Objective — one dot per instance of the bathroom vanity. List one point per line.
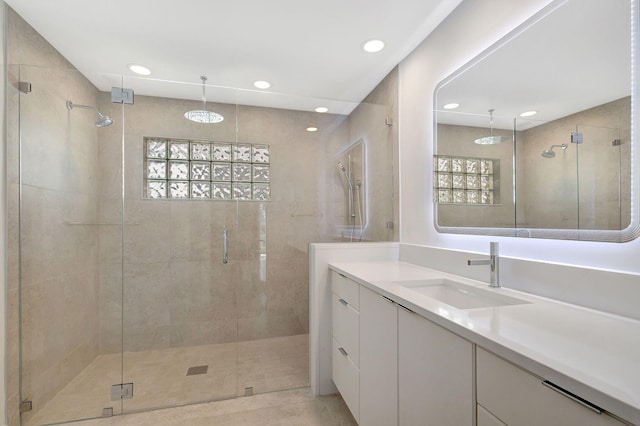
(413, 345)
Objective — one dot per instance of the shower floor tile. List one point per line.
(160, 379)
(291, 407)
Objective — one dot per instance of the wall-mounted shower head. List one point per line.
(548, 153)
(102, 120)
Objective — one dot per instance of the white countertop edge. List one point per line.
(607, 396)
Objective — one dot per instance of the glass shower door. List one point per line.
(180, 327)
(59, 209)
(602, 156)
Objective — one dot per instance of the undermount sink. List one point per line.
(459, 295)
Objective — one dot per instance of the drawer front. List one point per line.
(346, 289)
(346, 327)
(346, 377)
(485, 418)
(517, 397)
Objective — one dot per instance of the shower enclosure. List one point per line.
(157, 261)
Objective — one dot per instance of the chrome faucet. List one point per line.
(493, 262)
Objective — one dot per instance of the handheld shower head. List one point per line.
(548, 153)
(343, 171)
(102, 120)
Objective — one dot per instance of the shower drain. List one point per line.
(200, 369)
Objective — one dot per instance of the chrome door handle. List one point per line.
(225, 246)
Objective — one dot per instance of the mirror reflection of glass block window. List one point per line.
(460, 180)
(206, 170)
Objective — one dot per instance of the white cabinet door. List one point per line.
(435, 374)
(378, 360)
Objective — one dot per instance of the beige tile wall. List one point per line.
(368, 123)
(550, 197)
(58, 260)
(177, 291)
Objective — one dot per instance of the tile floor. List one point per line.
(160, 380)
(292, 407)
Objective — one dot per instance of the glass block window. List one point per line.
(205, 170)
(459, 180)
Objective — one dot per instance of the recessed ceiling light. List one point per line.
(261, 84)
(452, 105)
(373, 46)
(139, 69)
(312, 129)
(528, 113)
(322, 109)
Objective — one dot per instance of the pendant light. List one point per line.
(202, 115)
(490, 140)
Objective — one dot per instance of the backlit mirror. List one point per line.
(536, 136)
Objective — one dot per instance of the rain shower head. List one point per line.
(491, 139)
(548, 153)
(102, 121)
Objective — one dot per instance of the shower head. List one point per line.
(102, 120)
(548, 153)
(341, 167)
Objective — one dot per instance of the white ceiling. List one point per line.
(306, 49)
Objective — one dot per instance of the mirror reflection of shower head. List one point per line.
(548, 153)
(102, 121)
(491, 139)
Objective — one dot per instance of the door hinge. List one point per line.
(26, 406)
(24, 86)
(121, 391)
(120, 95)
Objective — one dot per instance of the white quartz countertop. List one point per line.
(593, 354)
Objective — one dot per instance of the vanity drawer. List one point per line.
(346, 377)
(346, 327)
(517, 397)
(485, 418)
(346, 289)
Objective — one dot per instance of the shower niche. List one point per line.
(351, 195)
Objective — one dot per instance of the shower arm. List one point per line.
(71, 105)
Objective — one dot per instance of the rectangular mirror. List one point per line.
(549, 111)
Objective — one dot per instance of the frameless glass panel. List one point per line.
(180, 324)
(69, 228)
(603, 178)
(547, 176)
